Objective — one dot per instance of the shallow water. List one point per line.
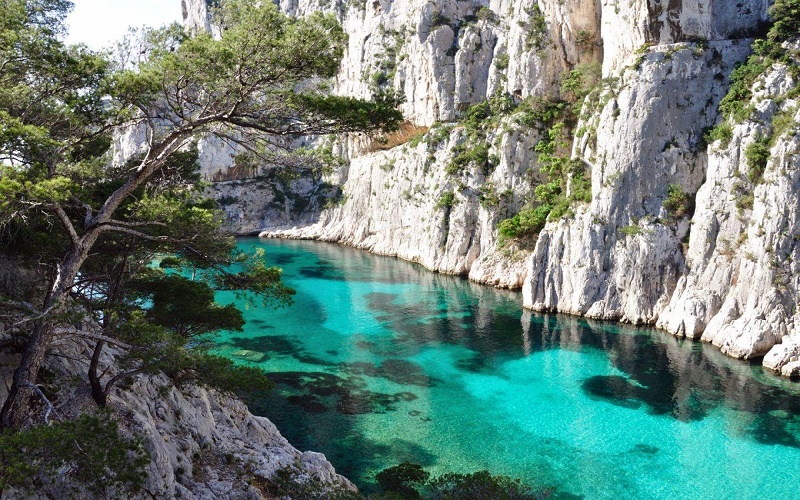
(380, 361)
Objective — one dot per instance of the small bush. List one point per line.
(411, 481)
(757, 155)
(478, 156)
(722, 132)
(289, 482)
(403, 479)
(631, 230)
(678, 203)
(89, 450)
(439, 19)
(536, 36)
(785, 15)
(224, 201)
(501, 61)
(480, 486)
(486, 14)
(736, 102)
(446, 201)
(528, 222)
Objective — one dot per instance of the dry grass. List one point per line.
(405, 133)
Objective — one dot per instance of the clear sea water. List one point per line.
(380, 361)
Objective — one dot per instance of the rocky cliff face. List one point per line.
(740, 288)
(201, 444)
(621, 257)
(723, 273)
(445, 57)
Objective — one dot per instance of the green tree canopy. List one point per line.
(90, 228)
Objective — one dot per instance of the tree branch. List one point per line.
(48, 405)
(95, 336)
(64, 218)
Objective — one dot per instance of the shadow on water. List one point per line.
(664, 375)
(676, 378)
(322, 414)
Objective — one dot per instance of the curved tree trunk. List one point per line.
(16, 407)
(98, 394)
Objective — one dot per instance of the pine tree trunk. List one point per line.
(17, 405)
(100, 396)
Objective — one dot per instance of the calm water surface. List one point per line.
(380, 361)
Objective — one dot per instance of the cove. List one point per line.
(380, 361)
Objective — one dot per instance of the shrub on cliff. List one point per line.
(785, 15)
(409, 481)
(678, 203)
(88, 450)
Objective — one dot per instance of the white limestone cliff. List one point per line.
(621, 257)
(714, 276)
(740, 291)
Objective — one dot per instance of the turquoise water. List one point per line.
(380, 361)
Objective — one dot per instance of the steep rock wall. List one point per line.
(740, 291)
(621, 257)
(404, 202)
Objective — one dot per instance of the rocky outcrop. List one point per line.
(202, 444)
(740, 291)
(621, 257)
(627, 26)
(404, 202)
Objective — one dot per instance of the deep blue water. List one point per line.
(380, 361)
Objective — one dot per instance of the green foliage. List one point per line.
(678, 203)
(631, 230)
(439, 19)
(527, 223)
(579, 82)
(187, 307)
(486, 14)
(289, 482)
(89, 450)
(785, 16)
(556, 119)
(501, 61)
(581, 186)
(403, 479)
(540, 112)
(464, 156)
(224, 201)
(757, 155)
(410, 481)
(446, 201)
(437, 133)
(415, 139)
(480, 486)
(722, 132)
(220, 373)
(736, 101)
(536, 29)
